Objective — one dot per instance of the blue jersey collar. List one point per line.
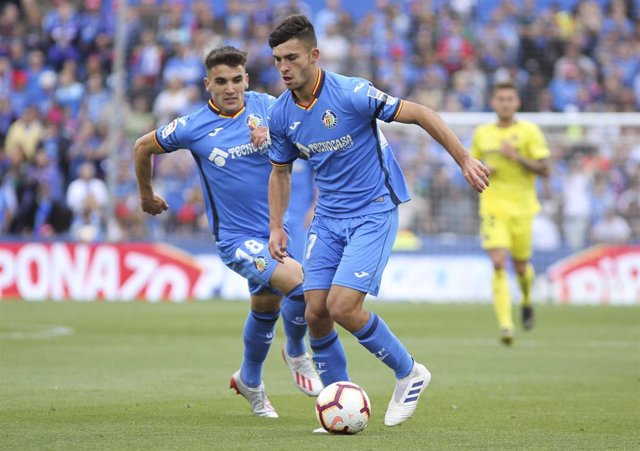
(317, 89)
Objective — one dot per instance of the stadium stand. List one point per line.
(570, 56)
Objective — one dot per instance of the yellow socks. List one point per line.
(502, 299)
(525, 281)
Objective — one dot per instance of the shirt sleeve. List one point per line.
(281, 151)
(371, 103)
(171, 136)
(538, 148)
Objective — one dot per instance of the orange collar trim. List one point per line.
(317, 88)
(218, 111)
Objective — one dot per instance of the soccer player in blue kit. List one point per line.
(234, 177)
(331, 120)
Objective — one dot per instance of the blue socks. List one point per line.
(380, 341)
(330, 359)
(295, 326)
(258, 334)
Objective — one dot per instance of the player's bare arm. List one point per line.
(474, 171)
(279, 191)
(541, 167)
(143, 150)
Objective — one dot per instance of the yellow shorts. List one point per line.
(512, 233)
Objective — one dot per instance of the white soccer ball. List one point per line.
(343, 408)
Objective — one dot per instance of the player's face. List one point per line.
(296, 63)
(226, 85)
(505, 102)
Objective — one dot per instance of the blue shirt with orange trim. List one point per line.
(356, 172)
(233, 173)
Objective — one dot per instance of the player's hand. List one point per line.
(476, 174)
(508, 151)
(259, 135)
(278, 244)
(153, 205)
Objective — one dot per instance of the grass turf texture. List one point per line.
(144, 376)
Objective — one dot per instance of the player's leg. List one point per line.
(246, 256)
(501, 295)
(521, 253)
(287, 278)
(258, 334)
(322, 256)
(496, 240)
(370, 239)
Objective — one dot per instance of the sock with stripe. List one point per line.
(378, 339)
(258, 334)
(330, 359)
(295, 326)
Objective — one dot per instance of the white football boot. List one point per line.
(260, 405)
(406, 395)
(304, 373)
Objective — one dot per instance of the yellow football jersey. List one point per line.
(512, 190)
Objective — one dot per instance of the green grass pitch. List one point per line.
(155, 376)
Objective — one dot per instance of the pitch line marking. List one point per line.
(25, 331)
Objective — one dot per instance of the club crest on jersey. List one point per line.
(261, 263)
(168, 129)
(329, 119)
(254, 120)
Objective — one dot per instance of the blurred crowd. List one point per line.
(57, 103)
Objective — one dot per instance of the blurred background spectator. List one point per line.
(56, 102)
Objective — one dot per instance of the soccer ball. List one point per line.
(343, 408)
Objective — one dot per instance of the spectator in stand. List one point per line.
(42, 216)
(170, 101)
(327, 16)
(454, 47)
(337, 49)
(565, 89)
(87, 189)
(42, 43)
(24, 134)
(8, 203)
(88, 226)
(629, 202)
(70, 92)
(574, 58)
(611, 229)
(576, 207)
(185, 64)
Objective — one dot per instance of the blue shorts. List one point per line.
(351, 252)
(249, 256)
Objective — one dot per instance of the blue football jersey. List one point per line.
(356, 172)
(233, 173)
(303, 189)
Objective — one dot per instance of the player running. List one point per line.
(331, 120)
(234, 177)
(516, 152)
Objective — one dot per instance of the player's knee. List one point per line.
(340, 312)
(316, 316)
(499, 265)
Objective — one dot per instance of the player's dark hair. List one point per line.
(227, 55)
(507, 84)
(296, 26)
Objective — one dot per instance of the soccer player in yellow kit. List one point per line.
(516, 152)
